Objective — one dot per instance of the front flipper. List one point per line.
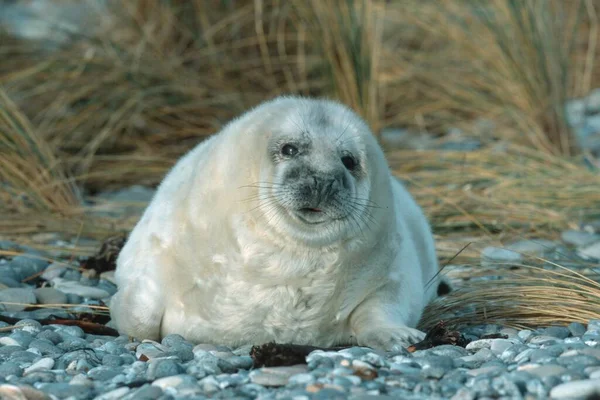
(137, 309)
(383, 321)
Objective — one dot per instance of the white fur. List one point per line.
(210, 261)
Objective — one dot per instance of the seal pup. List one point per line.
(286, 226)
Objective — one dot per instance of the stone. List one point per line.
(173, 381)
(48, 295)
(71, 287)
(534, 247)
(16, 299)
(276, 376)
(13, 392)
(525, 335)
(40, 365)
(560, 332)
(162, 368)
(542, 371)
(494, 369)
(587, 388)
(103, 373)
(592, 102)
(576, 329)
(26, 267)
(480, 344)
(54, 270)
(115, 394)
(498, 254)
(499, 345)
(590, 252)
(9, 368)
(579, 238)
(46, 347)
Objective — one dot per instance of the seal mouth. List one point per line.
(311, 210)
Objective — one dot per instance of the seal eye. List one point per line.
(349, 162)
(289, 150)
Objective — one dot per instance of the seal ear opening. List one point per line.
(443, 288)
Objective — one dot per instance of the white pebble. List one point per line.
(8, 341)
(577, 389)
(480, 344)
(71, 287)
(169, 381)
(113, 394)
(40, 365)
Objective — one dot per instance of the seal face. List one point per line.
(319, 183)
(286, 226)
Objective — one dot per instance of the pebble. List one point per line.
(576, 329)
(587, 388)
(498, 254)
(25, 267)
(579, 238)
(48, 295)
(534, 247)
(71, 287)
(65, 362)
(16, 299)
(590, 252)
(41, 365)
(275, 376)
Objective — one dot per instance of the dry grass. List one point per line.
(524, 296)
(30, 174)
(119, 105)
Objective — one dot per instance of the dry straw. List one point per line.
(120, 103)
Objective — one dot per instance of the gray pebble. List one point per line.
(579, 238)
(16, 299)
(10, 368)
(576, 329)
(48, 295)
(54, 270)
(23, 357)
(25, 267)
(301, 379)
(64, 390)
(7, 278)
(587, 388)
(22, 338)
(50, 335)
(594, 325)
(74, 287)
(113, 348)
(71, 343)
(161, 368)
(151, 349)
(590, 252)
(449, 351)
(111, 360)
(434, 366)
(29, 325)
(543, 339)
(74, 298)
(103, 373)
(525, 335)
(535, 247)
(355, 352)
(498, 254)
(46, 347)
(6, 351)
(499, 345)
(146, 392)
(275, 376)
(560, 332)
